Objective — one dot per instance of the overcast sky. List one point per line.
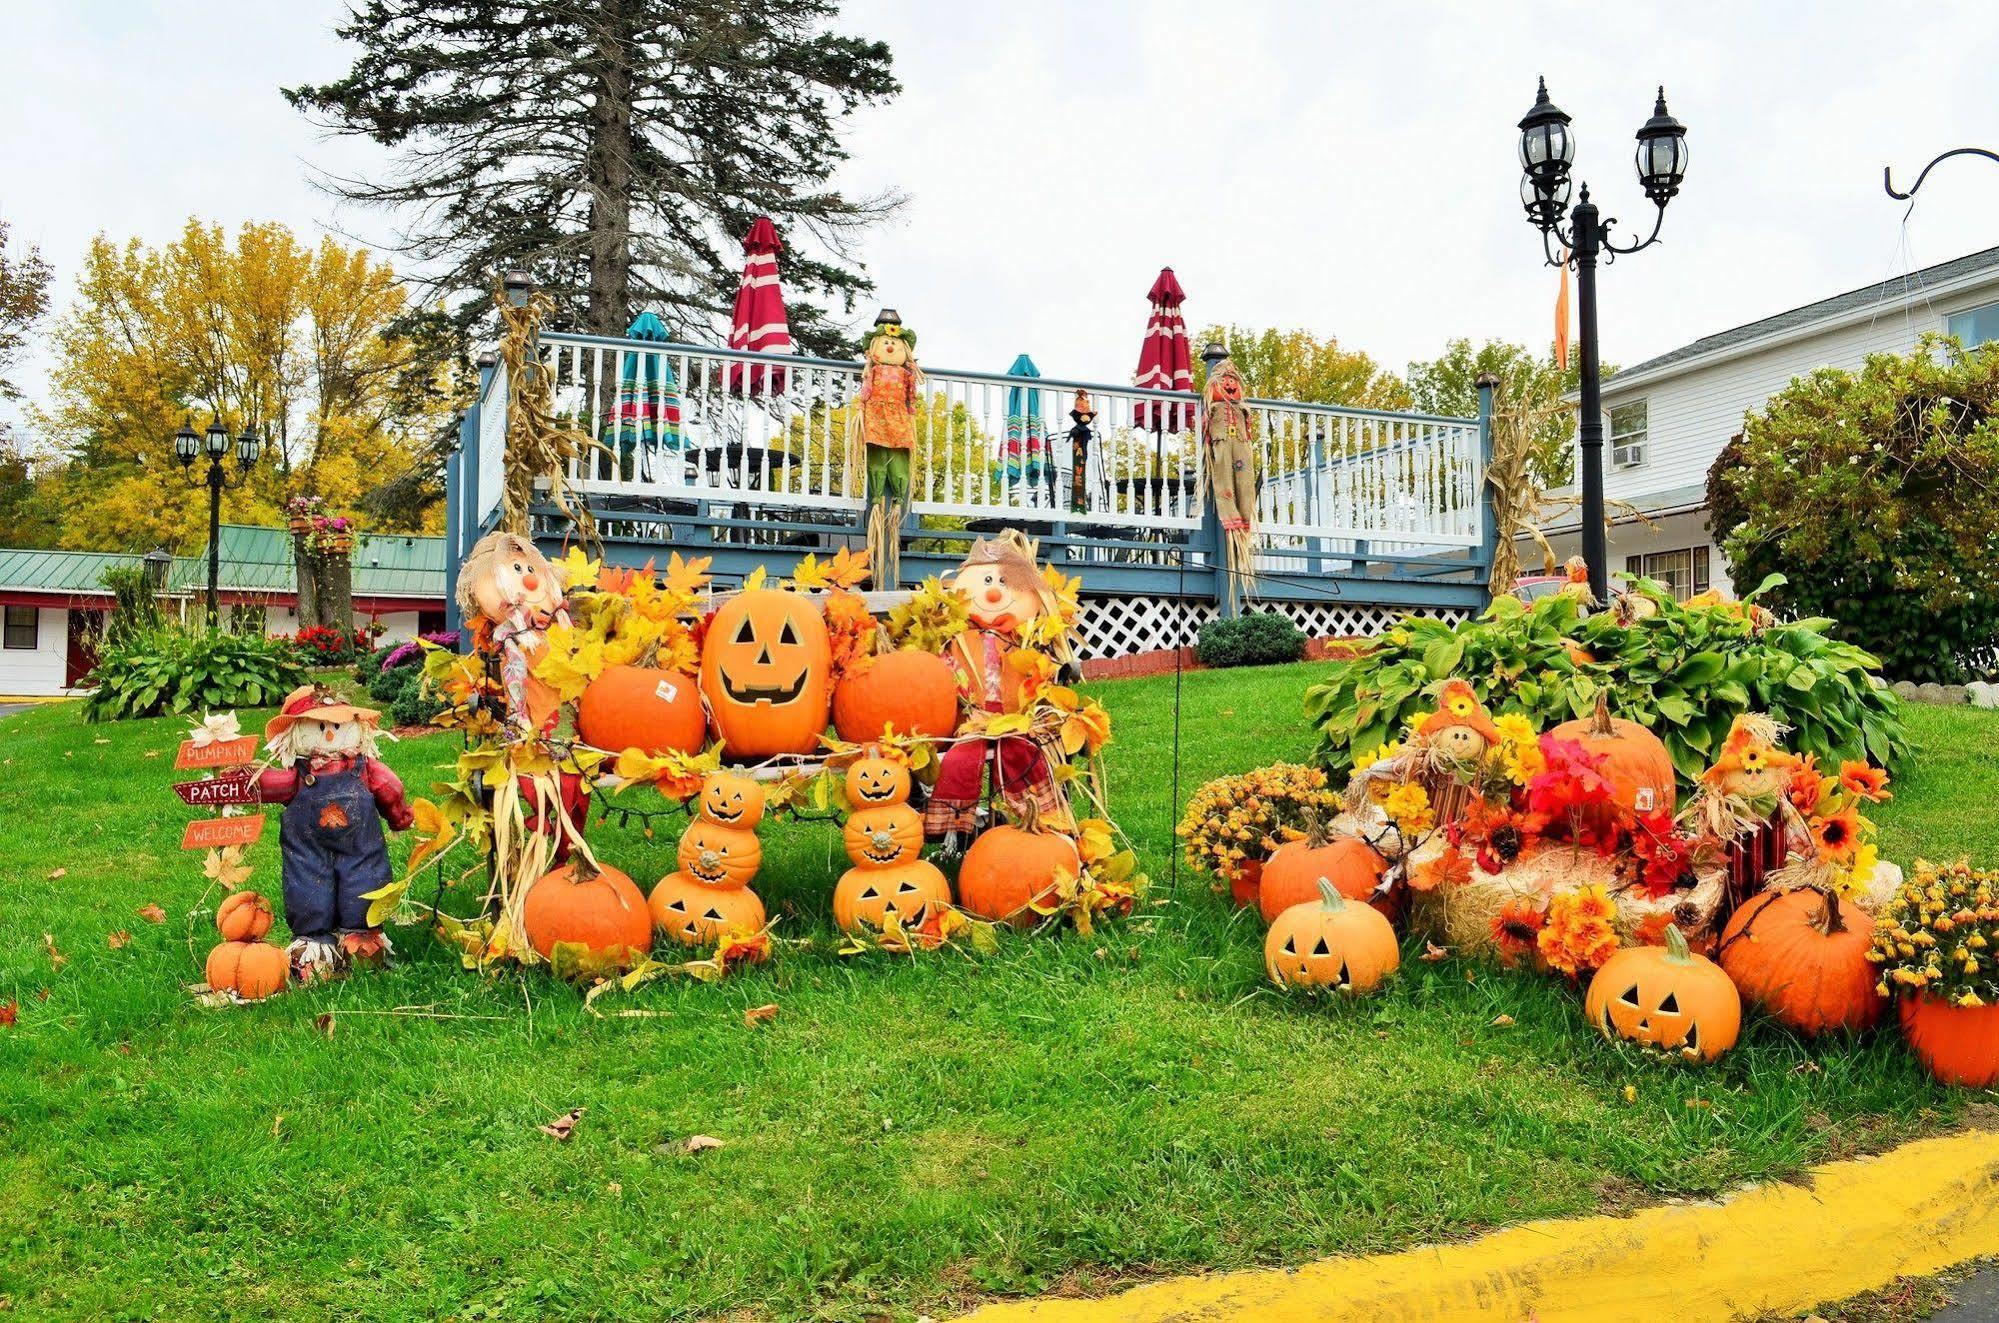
(1348, 168)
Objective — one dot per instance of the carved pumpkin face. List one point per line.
(876, 780)
(866, 896)
(884, 837)
(720, 856)
(695, 914)
(1666, 997)
(765, 668)
(1331, 943)
(732, 800)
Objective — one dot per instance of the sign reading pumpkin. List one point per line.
(766, 667)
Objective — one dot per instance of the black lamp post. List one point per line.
(1547, 151)
(188, 447)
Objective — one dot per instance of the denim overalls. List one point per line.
(330, 837)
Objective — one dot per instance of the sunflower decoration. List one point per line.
(1750, 782)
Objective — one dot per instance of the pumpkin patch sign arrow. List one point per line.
(214, 792)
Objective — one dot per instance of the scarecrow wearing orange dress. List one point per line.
(883, 425)
(1228, 430)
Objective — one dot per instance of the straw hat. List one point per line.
(1458, 706)
(311, 703)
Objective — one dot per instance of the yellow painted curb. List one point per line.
(1782, 1248)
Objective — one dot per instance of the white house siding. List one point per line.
(38, 672)
(1668, 533)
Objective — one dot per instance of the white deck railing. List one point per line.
(1333, 476)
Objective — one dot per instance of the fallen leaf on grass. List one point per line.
(119, 940)
(152, 753)
(1806, 1067)
(757, 1015)
(10, 1011)
(1694, 1103)
(700, 1143)
(277, 1124)
(152, 914)
(56, 958)
(1503, 1021)
(1631, 1093)
(59, 873)
(562, 1127)
(1431, 951)
(324, 1023)
(100, 740)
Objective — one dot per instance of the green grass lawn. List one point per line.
(906, 1137)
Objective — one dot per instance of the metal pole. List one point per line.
(1596, 546)
(214, 538)
(1488, 494)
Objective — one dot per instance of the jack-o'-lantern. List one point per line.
(766, 663)
(1635, 761)
(719, 856)
(695, 914)
(1459, 729)
(1666, 997)
(729, 799)
(243, 916)
(915, 692)
(875, 779)
(1009, 869)
(642, 707)
(595, 907)
(1331, 942)
(883, 836)
(1291, 874)
(251, 970)
(867, 894)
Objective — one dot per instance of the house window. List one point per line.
(23, 628)
(1975, 326)
(1627, 434)
(1686, 571)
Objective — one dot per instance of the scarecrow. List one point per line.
(1006, 598)
(1228, 428)
(884, 422)
(337, 793)
(1084, 414)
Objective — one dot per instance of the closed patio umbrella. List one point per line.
(759, 323)
(1024, 454)
(1164, 362)
(648, 395)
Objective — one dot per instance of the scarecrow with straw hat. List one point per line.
(336, 793)
(1228, 428)
(882, 425)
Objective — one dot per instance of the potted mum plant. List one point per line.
(1937, 943)
(1234, 823)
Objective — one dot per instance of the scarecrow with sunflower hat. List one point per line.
(337, 794)
(882, 427)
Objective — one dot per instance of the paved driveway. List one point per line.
(9, 709)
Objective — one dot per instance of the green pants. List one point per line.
(888, 475)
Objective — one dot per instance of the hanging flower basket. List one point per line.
(1959, 1044)
(300, 524)
(336, 544)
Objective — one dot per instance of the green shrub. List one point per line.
(134, 609)
(1261, 638)
(174, 670)
(414, 705)
(1685, 672)
(389, 685)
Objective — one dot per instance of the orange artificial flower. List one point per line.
(1516, 927)
(1807, 786)
(1837, 834)
(1450, 868)
(1870, 783)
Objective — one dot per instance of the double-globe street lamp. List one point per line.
(188, 447)
(1547, 151)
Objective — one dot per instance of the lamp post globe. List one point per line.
(1547, 147)
(218, 439)
(1662, 153)
(518, 285)
(248, 446)
(187, 443)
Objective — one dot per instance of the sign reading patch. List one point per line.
(233, 788)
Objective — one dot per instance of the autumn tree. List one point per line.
(24, 297)
(1297, 365)
(1448, 384)
(617, 149)
(308, 345)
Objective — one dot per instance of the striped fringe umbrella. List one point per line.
(1025, 452)
(1163, 360)
(648, 396)
(759, 322)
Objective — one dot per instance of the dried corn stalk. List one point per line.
(540, 447)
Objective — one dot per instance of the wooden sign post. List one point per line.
(234, 784)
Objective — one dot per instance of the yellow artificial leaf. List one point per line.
(578, 570)
(687, 577)
(754, 579)
(383, 901)
(575, 657)
(809, 575)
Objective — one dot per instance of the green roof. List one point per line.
(259, 560)
(59, 571)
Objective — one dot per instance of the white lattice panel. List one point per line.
(1345, 620)
(1125, 626)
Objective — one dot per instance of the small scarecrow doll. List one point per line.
(1005, 595)
(1228, 430)
(882, 426)
(337, 794)
(1445, 758)
(1084, 415)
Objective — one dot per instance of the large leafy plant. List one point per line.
(1686, 671)
(174, 670)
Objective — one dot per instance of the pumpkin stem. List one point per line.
(1676, 946)
(1315, 828)
(1600, 722)
(1831, 920)
(1330, 897)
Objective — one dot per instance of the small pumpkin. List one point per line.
(1666, 997)
(1635, 761)
(642, 707)
(695, 914)
(720, 856)
(1331, 942)
(243, 916)
(730, 799)
(915, 692)
(766, 665)
(1008, 869)
(1291, 874)
(597, 907)
(251, 970)
(874, 778)
(883, 837)
(867, 895)
(1802, 956)
(1959, 1044)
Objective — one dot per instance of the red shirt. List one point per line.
(277, 785)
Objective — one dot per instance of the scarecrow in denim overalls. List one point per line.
(336, 793)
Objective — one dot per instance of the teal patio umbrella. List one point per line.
(1024, 453)
(648, 395)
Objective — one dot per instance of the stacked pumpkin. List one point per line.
(244, 963)
(709, 894)
(884, 840)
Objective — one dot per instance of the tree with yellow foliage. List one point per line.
(317, 348)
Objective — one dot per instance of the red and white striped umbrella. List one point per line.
(1163, 360)
(759, 323)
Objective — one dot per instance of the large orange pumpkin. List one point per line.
(598, 908)
(642, 707)
(1635, 762)
(765, 667)
(1802, 957)
(1291, 875)
(251, 970)
(730, 799)
(695, 914)
(867, 895)
(874, 779)
(883, 837)
(1959, 1044)
(1331, 942)
(1666, 997)
(720, 856)
(243, 916)
(1009, 868)
(915, 692)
